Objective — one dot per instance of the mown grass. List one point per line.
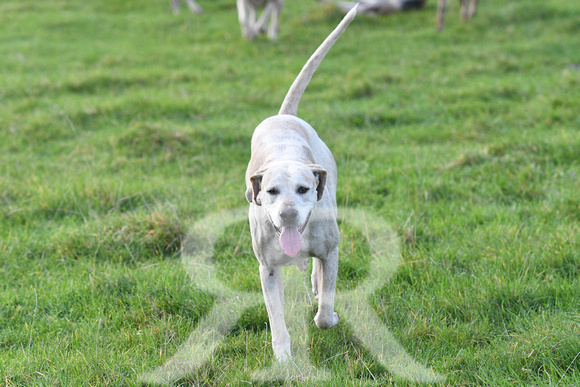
(122, 124)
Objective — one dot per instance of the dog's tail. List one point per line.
(290, 104)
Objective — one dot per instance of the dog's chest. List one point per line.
(272, 253)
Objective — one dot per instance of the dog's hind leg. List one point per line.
(326, 271)
(472, 9)
(175, 6)
(273, 27)
(441, 14)
(314, 276)
(247, 19)
(464, 9)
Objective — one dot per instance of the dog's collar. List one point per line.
(300, 228)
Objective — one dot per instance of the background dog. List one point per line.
(377, 7)
(251, 25)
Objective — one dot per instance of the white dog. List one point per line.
(291, 186)
(248, 17)
(377, 7)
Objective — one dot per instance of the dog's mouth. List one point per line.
(291, 237)
(299, 228)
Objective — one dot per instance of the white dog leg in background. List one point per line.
(191, 4)
(245, 19)
(251, 25)
(273, 27)
(262, 23)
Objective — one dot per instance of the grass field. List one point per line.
(121, 125)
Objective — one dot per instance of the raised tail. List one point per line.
(290, 104)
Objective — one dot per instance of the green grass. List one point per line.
(122, 124)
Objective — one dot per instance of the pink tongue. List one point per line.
(290, 240)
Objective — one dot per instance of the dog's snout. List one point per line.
(289, 214)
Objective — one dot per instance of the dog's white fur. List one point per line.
(251, 25)
(291, 183)
(376, 7)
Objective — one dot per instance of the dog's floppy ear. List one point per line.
(249, 195)
(256, 184)
(320, 173)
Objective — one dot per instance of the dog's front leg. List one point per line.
(273, 289)
(273, 27)
(326, 270)
(175, 6)
(193, 6)
(245, 19)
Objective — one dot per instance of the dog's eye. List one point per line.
(273, 191)
(302, 190)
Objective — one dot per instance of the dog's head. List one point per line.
(288, 193)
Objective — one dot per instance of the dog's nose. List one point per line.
(289, 215)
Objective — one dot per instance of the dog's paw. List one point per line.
(282, 352)
(326, 323)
